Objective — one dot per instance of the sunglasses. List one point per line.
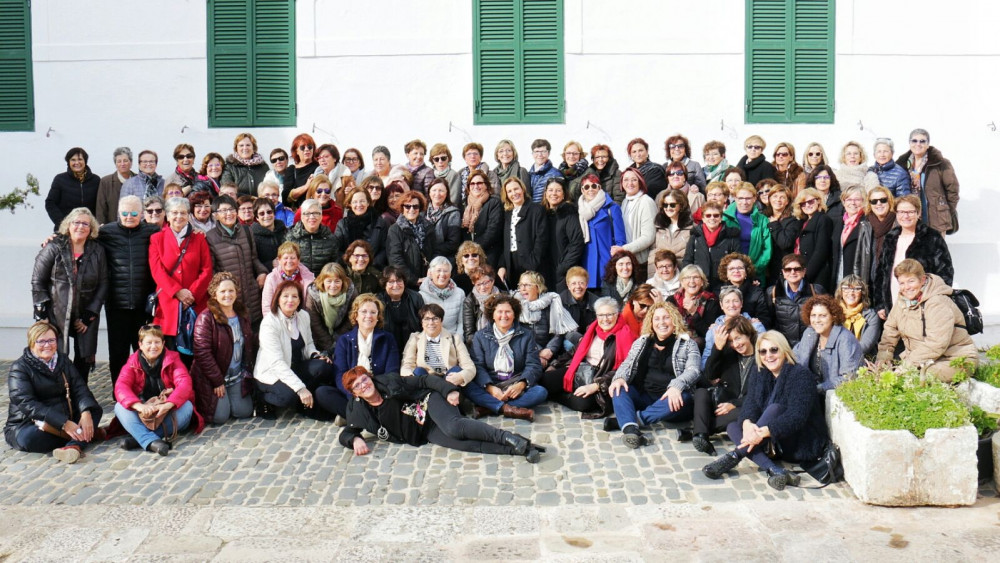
(305, 148)
(185, 157)
(588, 187)
(278, 159)
(918, 141)
(781, 154)
(793, 269)
(670, 205)
(754, 148)
(765, 351)
(468, 256)
(323, 190)
(711, 216)
(823, 177)
(130, 213)
(411, 206)
(265, 213)
(812, 201)
(677, 173)
(441, 158)
(815, 154)
(644, 306)
(150, 327)
(156, 211)
(676, 146)
(878, 200)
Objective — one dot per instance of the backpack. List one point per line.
(969, 306)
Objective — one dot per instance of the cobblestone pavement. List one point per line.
(590, 498)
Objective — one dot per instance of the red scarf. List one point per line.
(849, 224)
(711, 237)
(623, 342)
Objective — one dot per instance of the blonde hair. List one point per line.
(533, 278)
(857, 145)
(332, 270)
(680, 327)
(882, 190)
(779, 340)
(468, 247)
(76, 213)
(361, 300)
(822, 152)
(503, 192)
(38, 330)
(805, 194)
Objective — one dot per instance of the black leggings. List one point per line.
(705, 421)
(552, 380)
(446, 427)
(313, 373)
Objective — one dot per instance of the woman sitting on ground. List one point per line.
(731, 301)
(436, 351)
(417, 410)
(42, 418)
(474, 316)
(583, 387)
(328, 300)
(153, 383)
(723, 383)
(830, 351)
(542, 313)
(781, 408)
(439, 288)
(859, 317)
(654, 381)
(367, 344)
(929, 324)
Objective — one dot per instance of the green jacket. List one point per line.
(760, 239)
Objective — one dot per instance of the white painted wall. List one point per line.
(110, 73)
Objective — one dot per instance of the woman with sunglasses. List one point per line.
(678, 150)
(411, 242)
(781, 414)
(279, 163)
(932, 177)
(754, 165)
(786, 170)
(153, 211)
(813, 157)
(787, 296)
(602, 227)
(638, 304)
(268, 233)
(677, 180)
(910, 239)
(469, 257)
(814, 241)
(184, 174)
(755, 237)
(710, 242)
(320, 188)
(440, 157)
(483, 215)
(830, 351)
(293, 185)
(563, 232)
(859, 317)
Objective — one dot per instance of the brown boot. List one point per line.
(518, 413)
(481, 412)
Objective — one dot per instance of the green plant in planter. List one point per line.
(899, 398)
(985, 423)
(987, 371)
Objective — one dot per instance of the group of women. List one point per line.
(657, 293)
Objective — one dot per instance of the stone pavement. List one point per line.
(590, 498)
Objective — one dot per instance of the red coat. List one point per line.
(193, 274)
(213, 351)
(132, 379)
(331, 216)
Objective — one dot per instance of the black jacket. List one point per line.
(565, 244)
(268, 241)
(928, 247)
(784, 232)
(246, 178)
(401, 318)
(488, 229)
(788, 312)
(448, 234)
(652, 173)
(295, 178)
(531, 242)
(699, 254)
(67, 193)
(582, 313)
(757, 169)
(37, 393)
(315, 249)
(406, 254)
(855, 255)
(724, 365)
(800, 429)
(362, 417)
(816, 246)
(367, 227)
(126, 252)
(755, 303)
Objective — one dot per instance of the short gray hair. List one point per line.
(923, 132)
(310, 203)
(439, 261)
(729, 290)
(177, 203)
(267, 184)
(607, 302)
(884, 141)
(130, 200)
(381, 149)
(122, 151)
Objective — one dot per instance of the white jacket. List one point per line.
(639, 229)
(274, 355)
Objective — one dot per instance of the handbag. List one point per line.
(827, 469)
(154, 422)
(151, 299)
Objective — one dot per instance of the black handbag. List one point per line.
(151, 299)
(828, 468)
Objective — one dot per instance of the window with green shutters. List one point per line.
(789, 61)
(517, 57)
(17, 97)
(251, 63)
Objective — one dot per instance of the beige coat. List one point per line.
(453, 349)
(931, 332)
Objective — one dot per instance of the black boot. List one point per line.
(702, 444)
(611, 424)
(159, 447)
(684, 435)
(266, 410)
(519, 443)
(130, 443)
(779, 478)
(724, 464)
(633, 438)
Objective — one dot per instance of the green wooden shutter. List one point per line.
(17, 99)
(251, 63)
(517, 60)
(789, 68)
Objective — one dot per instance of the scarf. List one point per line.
(153, 384)
(571, 172)
(413, 169)
(418, 228)
(481, 298)
(441, 173)
(464, 173)
(474, 204)
(152, 183)
(711, 237)
(628, 201)
(441, 294)
(623, 287)
(854, 321)
(587, 210)
(365, 350)
(81, 175)
(916, 169)
(623, 343)
(716, 173)
(503, 362)
(560, 321)
(434, 214)
(506, 173)
(699, 311)
(187, 178)
(849, 224)
(254, 160)
(880, 228)
(294, 276)
(333, 306)
(358, 225)
(291, 324)
(633, 323)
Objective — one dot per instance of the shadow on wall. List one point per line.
(975, 250)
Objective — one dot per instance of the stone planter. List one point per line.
(895, 468)
(982, 395)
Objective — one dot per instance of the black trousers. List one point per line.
(552, 380)
(446, 427)
(313, 373)
(331, 399)
(32, 439)
(123, 337)
(705, 421)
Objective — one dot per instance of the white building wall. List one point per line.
(110, 73)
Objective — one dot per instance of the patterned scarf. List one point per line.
(439, 293)
(418, 228)
(623, 287)
(464, 173)
(503, 362)
(481, 320)
(716, 173)
(474, 204)
(434, 214)
(560, 321)
(254, 160)
(188, 177)
(152, 182)
(577, 169)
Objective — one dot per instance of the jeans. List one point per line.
(639, 407)
(129, 420)
(532, 396)
(234, 404)
(735, 431)
(331, 399)
(31, 438)
(422, 371)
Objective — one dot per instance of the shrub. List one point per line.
(897, 398)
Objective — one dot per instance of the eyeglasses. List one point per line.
(754, 148)
(735, 269)
(374, 187)
(540, 151)
(607, 315)
(278, 159)
(470, 256)
(186, 156)
(324, 190)
(823, 177)
(81, 224)
(918, 141)
(898, 212)
(146, 162)
(572, 153)
(666, 266)
(677, 173)
(589, 187)
(765, 351)
(763, 192)
(350, 159)
(525, 285)
(669, 205)
(155, 211)
(431, 319)
(781, 154)
(265, 213)
(745, 198)
(362, 256)
(440, 158)
(394, 281)
(46, 342)
(361, 383)
(484, 282)
(710, 216)
(675, 146)
(477, 183)
(851, 289)
(411, 206)
(130, 213)
(225, 211)
(792, 269)
(878, 200)
(312, 214)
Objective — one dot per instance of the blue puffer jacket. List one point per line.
(384, 356)
(540, 177)
(526, 362)
(841, 357)
(892, 176)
